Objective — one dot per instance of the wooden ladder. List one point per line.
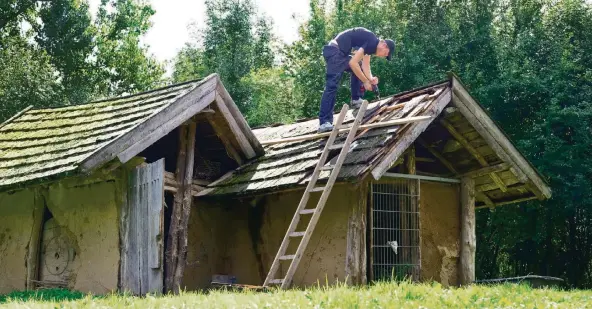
(316, 212)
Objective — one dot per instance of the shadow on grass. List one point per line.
(56, 295)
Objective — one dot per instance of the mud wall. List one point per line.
(88, 217)
(241, 237)
(16, 222)
(440, 232)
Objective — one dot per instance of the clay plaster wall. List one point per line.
(440, 232)
(88, 215)
(16, 221)
(241, 238)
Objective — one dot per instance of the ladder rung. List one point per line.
(307, 211)
(317, 189)
(276, 281)
(336, 146)
(328, 167)
(297, 234)
(287, 257)
(342, 127)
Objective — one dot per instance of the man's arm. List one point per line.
(353, 64)
(366, 67)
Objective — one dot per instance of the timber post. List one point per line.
(176, 252)
(467, 231)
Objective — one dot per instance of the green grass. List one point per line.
(380, 295)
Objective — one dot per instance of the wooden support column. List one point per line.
(177, 239)
(34, 241)
(467, 231)
(410, 225)
(355, 256)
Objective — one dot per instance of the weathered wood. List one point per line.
(480, 196)
(172, 254)
(142, 271)
(495, 138)
(232, 153)
(238, 117)
(518, 200)
(463, 141)
(347, 129)
(166, 128)
(355, 254)
(438, 156)
(159, 124)
(411, 135)
(406, 223)
(467, 231)
(187, 201)
(487, 170)
(34, 242)
(234, 128)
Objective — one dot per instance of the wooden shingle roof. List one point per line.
(291, 164)
(48, 143)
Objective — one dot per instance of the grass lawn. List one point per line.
(381, 295)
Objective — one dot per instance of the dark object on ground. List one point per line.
(533, 280)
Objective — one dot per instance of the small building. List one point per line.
(91, 195)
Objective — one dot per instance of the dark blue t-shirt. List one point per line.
(356, 38)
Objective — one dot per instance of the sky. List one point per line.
(170, 31)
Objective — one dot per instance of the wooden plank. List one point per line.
(467, 231)
(131, 275)
(361, 127)
(411, 135)
(463, 141)
(234, 127)
(480, 196)
(498, 141)
(155, 218)
(238, 117)
(165, 129)
(355, 253)
(438, 156)
(158, 125)
(173, 239)
(232, 153)
(33, 249)
(487, 170)
(187, 200)
(519, 200)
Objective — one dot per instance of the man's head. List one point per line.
(385, 48)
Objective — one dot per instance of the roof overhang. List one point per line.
(210, 91)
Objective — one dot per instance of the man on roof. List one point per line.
(338, 59)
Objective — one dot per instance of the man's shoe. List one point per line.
(325, 127)
(356, 103)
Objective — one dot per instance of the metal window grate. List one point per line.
(395, 230)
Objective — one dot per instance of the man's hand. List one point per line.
(374, 80)
(368, 85)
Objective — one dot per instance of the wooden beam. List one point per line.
(519, 200)
(487, 170)
(463, 141)
(484, 198)
(230, 150)
(186, 188)
(238, 117)
(244, 143)
(147, 132)
(411, 135)
(171, 253)
(346, 129)
(422, 159)
(33, 249)
(438, 156)
(355, 255)
(495, 138)
(467, 231)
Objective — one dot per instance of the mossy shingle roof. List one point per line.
(43, 143)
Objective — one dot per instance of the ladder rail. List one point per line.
(321, 203)
(304, 200)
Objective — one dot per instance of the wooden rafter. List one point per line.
(485, 199)
(487, 170)
(438, 156)
(519, 200)
(463, 141)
